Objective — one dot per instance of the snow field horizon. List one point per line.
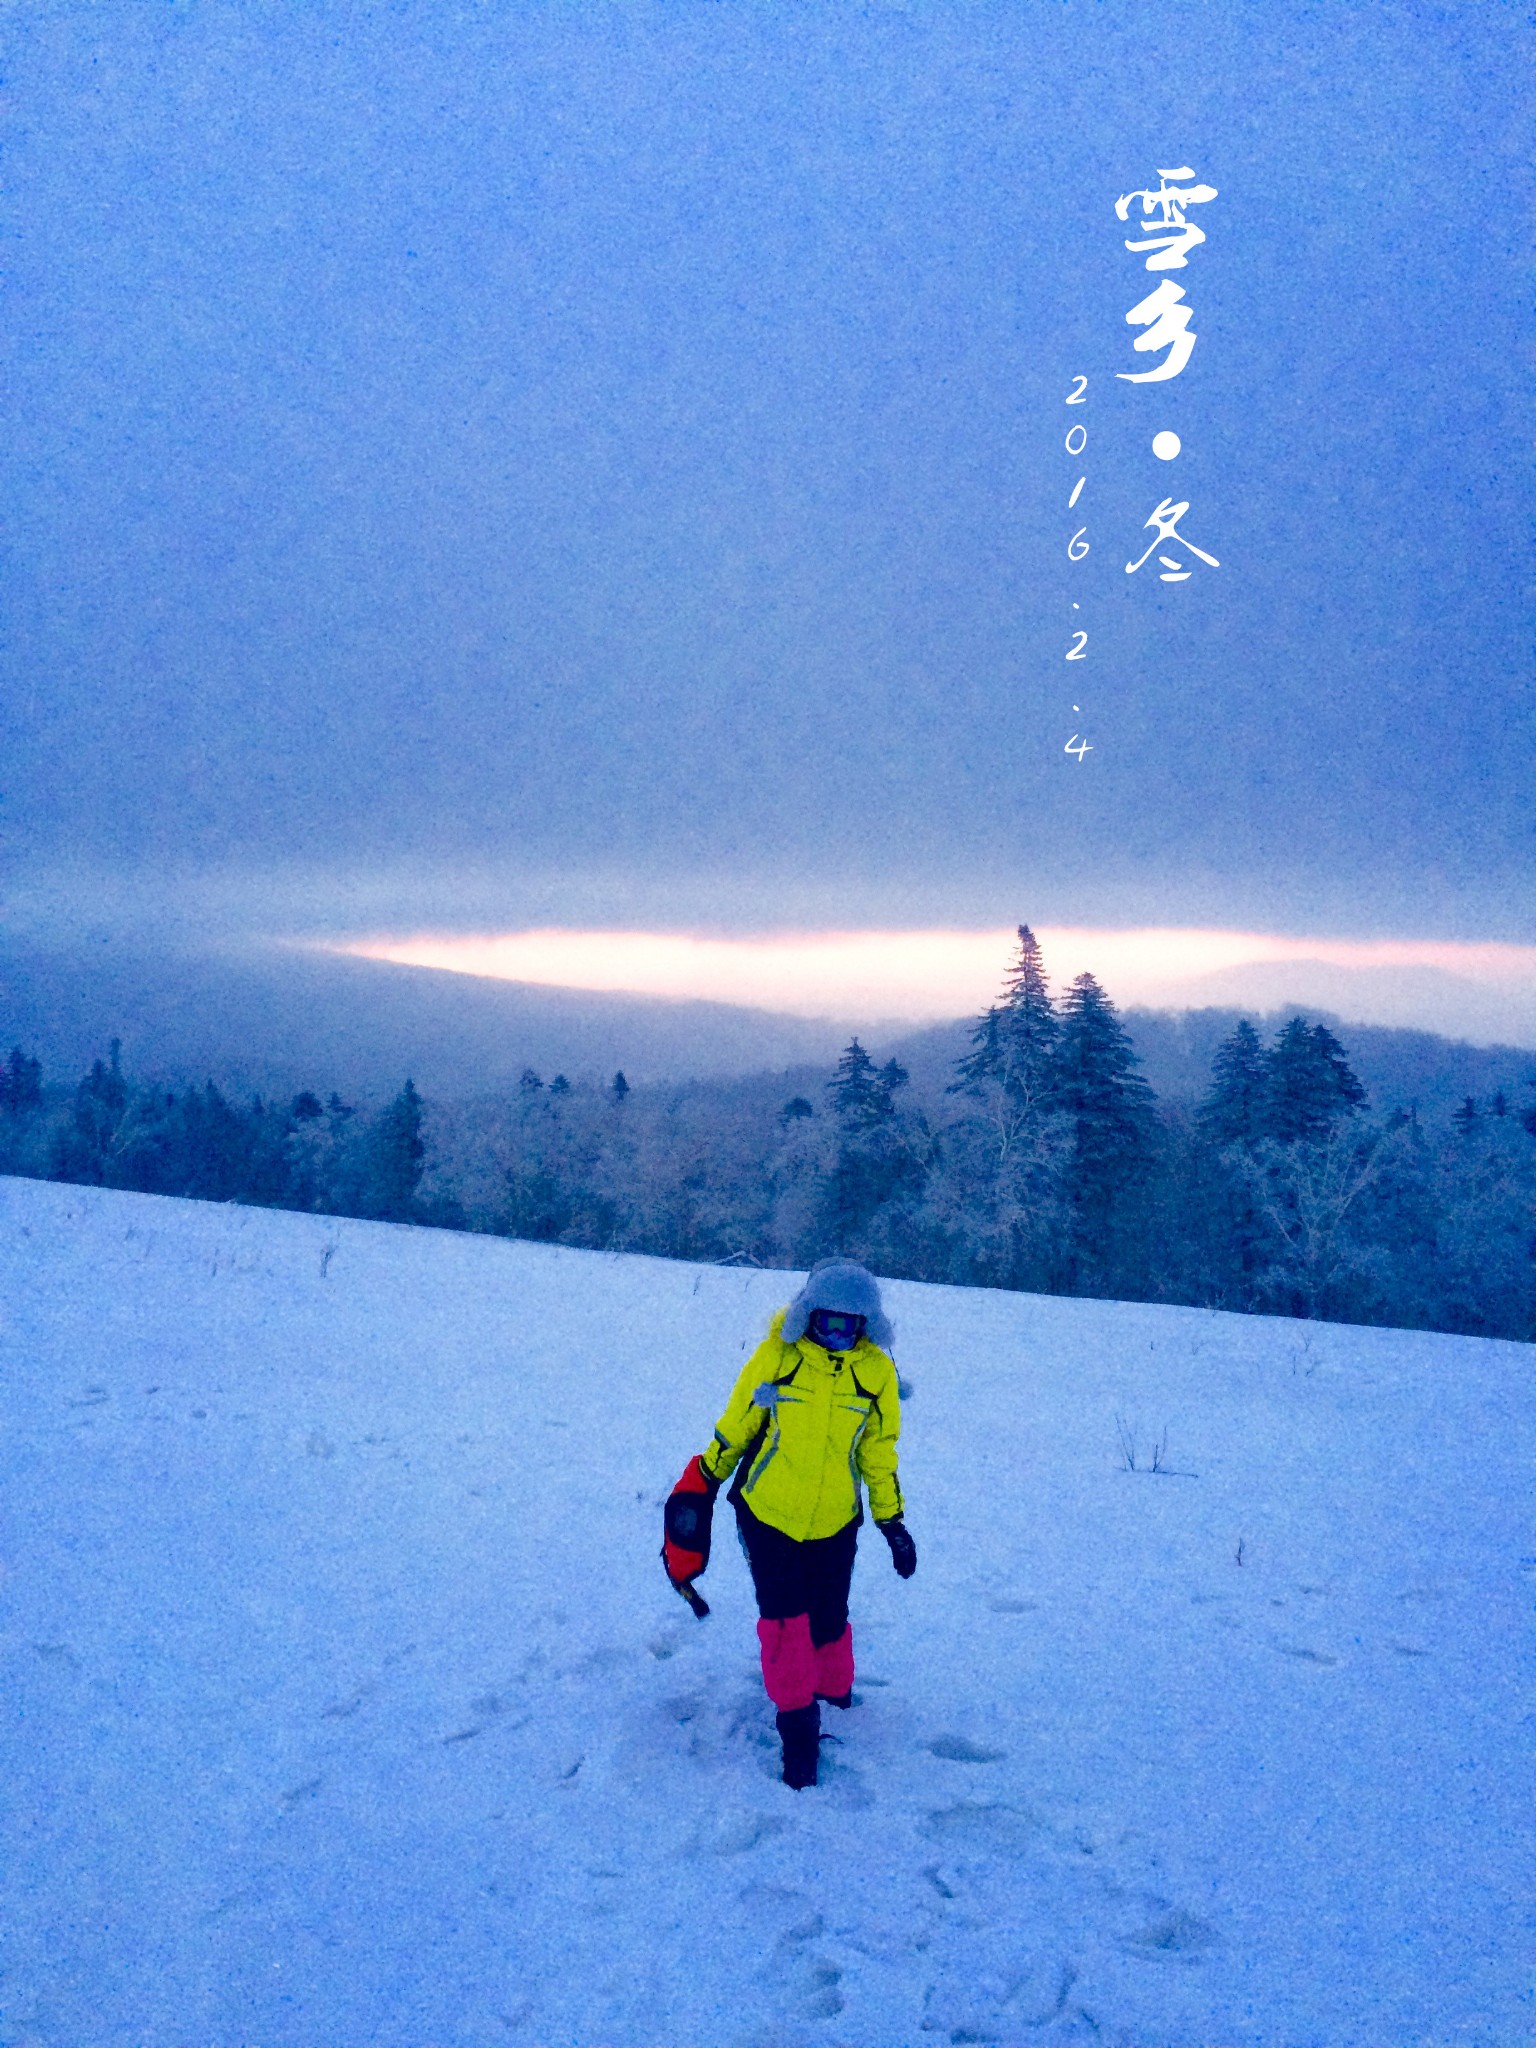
(345, 1701)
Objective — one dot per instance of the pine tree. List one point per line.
(267, 1180)
(620, 1086)
(213, 1146)
(1014, 1042)
(1218, 1199)
(861, 1095)
(87, 1149)
(984, 1061)
(326, 1163)
(1310, 1175)
(997, 1194)
(1233, 1112)
(1310, 1087)
(1030, 1027)
(879, 1153)
(1331, 1059)
(21, 1083)
(1109, 1111)
(1465, 1118)
(398, 1154)
(559, 1085)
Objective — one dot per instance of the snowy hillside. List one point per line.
(345, 1705)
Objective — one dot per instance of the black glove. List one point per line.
(903, 1549)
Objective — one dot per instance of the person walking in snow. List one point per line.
(814, 1415)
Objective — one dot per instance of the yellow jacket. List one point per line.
(811, 1424)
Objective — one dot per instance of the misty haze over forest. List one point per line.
(1049, 1146)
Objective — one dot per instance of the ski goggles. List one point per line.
(835, 1331)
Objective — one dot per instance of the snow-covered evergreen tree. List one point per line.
(879, 1157)
(1108, 1112)
(1014, 1043)
(21, 1083)
(88, 1148)
(1233, 1112)
(398, 1153)
(861, 1094)
(1098, 1088)
(1309, 1085)
(214, 1143)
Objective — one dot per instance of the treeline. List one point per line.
(1045, 1165)
(309, 1155)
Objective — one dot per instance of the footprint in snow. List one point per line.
(489, 1705)
(839, 1780)
(747, 1715)
(975, 1829)
(977, 2004)
(1013, 1606)
(343, 1710)
(735, 1833)
(1304, 1655)
(813, 1983)
(774, 1901)
(1177, 1935)
(957, 1749)
(794, 1974)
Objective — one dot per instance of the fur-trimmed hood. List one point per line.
(845, 1287)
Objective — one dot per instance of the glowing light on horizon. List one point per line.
(913, 976)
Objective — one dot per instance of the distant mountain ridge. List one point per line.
(280, 1019)
(277, 1020)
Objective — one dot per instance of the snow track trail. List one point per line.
(344, 1704)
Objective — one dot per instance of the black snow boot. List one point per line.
(800, 1730)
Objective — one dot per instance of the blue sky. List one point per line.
(484, 467)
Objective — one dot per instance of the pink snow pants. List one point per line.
(802, 1596)
(795, 1669)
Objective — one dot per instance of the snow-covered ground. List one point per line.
(345, 1705)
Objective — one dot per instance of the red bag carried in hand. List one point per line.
(686, 1527)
